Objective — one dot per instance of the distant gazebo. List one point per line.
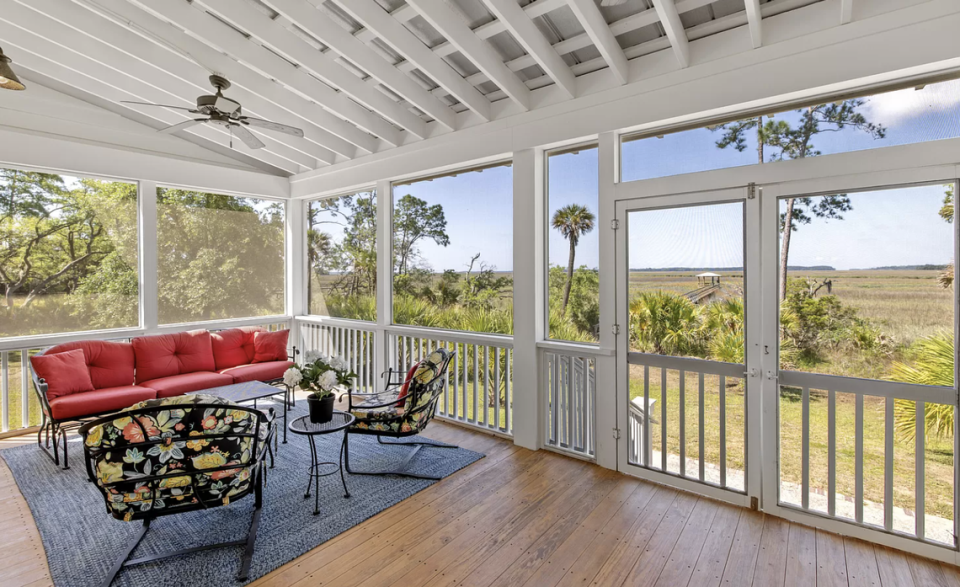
(705, 279)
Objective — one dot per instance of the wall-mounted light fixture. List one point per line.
(8, 79)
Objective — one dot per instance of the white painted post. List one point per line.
(528, 294)
(296, 300)
(149, 290)
(384, 277)
(606, 391)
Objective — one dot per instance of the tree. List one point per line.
(933, 359)
(796, 142)
(572, 221)
(946, 212)
(414, 220)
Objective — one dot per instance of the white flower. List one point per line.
(328, 381)
(338, 364)
(311, 356)
(291, 377)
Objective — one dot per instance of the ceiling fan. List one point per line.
(225, 112)
(612, 2)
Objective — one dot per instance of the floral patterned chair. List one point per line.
(178, 454)
(402, 410)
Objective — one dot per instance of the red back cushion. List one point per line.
(65, 373)
(270, 346)
(234, 346)
(406, 385)
(173, 354)
(110, 363)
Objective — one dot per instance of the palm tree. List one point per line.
(665, 324)
(932, 365)
(572, 221)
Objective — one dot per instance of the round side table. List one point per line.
(304, 427)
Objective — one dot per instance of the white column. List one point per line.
(295, 295)
(149, 293)
(528, 295)
(606, 404)
(384, 273)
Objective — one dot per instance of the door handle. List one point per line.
(751, 373)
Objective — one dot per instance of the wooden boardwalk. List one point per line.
(539, 519)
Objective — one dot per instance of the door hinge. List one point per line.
(616, 433)
(615, 329)
(751, 191)
(615, 224)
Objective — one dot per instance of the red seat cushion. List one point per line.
(166, 355)
(258, 371)
(110, 363)
(98, 401)
(66, 373)
(270, 346)
(233, 347)
(402, 396)
(187, 382)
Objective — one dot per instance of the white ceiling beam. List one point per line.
(451, 25)
(754, 19)
(846, 11)
(173, 73)
(602, 37)
(321, 26)
(170, 38)
(247, 18)
(222, 37)
(529, 36)
(390, 31)
(670, 19)
(92, 77)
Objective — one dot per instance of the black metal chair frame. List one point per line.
(256, 485)
(403, 468)
(56, 430)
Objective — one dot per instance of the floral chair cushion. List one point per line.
(136, 456)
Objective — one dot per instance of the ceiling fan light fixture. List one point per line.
(8, 79)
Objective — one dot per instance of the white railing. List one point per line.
(479, 391)
(686, 418)
(837, 415)
(570, 381)
(19, 406)
(354, 343)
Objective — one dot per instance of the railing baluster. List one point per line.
(496, 387)
(466, 367)
(663, 419)
(858, 460)
(508, 395)
(723, 431)
(832, 453)
(476, 384)
(554, 397)
(647, 451)
(485, 400)
(568, 393)
(5, 389)
(920, 464)
(805, 447)
(456, 381)
(888, 465)
(700, 423)
(25, 387)
(683, 424)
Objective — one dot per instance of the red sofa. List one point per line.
(122, 374)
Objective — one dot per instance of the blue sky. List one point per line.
(895, 227)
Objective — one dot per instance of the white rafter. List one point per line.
(321, 26)
(754, 19)
(670, 19)
(164, 34)
(217, 34)
(379, 22)
(846, 11)
(172, 72)
(451, 25)
(527, 34)
(94, 78)
(602, 37)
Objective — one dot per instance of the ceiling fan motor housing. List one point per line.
(210, 104)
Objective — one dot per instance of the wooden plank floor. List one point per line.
(538, 519)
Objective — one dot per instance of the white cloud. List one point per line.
(895, 107)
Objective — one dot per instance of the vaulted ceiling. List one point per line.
(358, 76)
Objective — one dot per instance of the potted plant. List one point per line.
(320, 375)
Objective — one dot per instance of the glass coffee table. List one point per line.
(251, 391)
(302, 425)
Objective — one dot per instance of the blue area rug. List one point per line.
(82, 541)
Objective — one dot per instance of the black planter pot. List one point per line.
(321, 410)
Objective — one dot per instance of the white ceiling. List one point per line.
(358, 76)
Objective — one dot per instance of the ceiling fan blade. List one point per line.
(160, 106)
(274, 126)
(246, 136)
(182, 125)
(612, 2)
